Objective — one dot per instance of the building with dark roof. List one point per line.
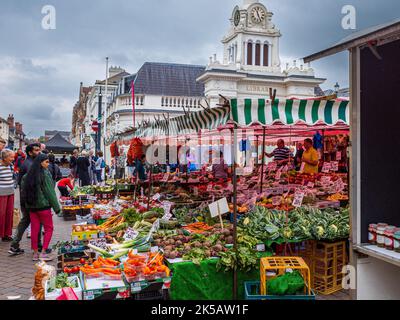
(161, 90)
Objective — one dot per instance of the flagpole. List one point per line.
(133, 103)
(105, 110)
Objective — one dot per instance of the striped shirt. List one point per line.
(6, 181)
(281, 154)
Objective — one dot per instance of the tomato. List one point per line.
(82, 261)
(75, 270)
(66, 270)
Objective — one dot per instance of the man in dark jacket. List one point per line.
(32, 152)
(82, 169)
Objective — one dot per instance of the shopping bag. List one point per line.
(16, 217)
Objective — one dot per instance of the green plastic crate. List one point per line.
(252, 292)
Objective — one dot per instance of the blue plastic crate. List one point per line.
(254, 286)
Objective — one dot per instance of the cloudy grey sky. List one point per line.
(40, 70)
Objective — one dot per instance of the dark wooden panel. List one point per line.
(380, 141)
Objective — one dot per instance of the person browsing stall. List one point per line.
(39, 197)
(64, 184)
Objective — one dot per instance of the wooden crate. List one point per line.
(278, 266)
(328, 260)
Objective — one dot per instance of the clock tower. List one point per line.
(252, 42)
(251, 62)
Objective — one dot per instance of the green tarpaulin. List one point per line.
(204, 282)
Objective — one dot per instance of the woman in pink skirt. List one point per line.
(6, 195)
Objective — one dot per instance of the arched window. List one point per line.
(162, 102)
(174, 102)
(170, 102)
(266, 54)
(250, 53)
(179, 102)
(258, 54)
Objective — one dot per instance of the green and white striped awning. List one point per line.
(246, 112)
(191, 123)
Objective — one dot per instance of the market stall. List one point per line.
(182, 235)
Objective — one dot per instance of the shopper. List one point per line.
(73, 162)
(19, 159)
(54, 169)
(82, 169)
(6, 195)
(92, 167)
(64, 183)
(120, 163)
(220, 169)
(310, 158)
(39, 197)
(100, 165)
(281, 154)
(298, 156)
(140, 168)
(32, 151)
(2, 144)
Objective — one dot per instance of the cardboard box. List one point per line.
(101, 289)
(86, 235)
(53, 295)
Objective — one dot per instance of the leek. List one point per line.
(103, 252)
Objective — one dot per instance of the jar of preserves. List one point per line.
(389, 237)
(372, 233)
(380, 237)
(396, 240)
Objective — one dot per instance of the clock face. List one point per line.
(237, 18)
(257, 14)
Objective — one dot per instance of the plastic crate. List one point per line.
(162, 294)
(278, 266)
(252, 292)
(328, 260)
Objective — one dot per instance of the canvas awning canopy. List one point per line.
(252, 113)
(247, 112)
(59, 145)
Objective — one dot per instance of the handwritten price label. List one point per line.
(326, 167)
(99, 243)
(298, 199)
(276, 201)
(335, 166)
(130, 234)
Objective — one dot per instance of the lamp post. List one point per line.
(98, 143)
(337, 87)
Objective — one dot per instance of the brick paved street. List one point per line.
(17, 273)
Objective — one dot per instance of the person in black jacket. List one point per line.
(82, 169)
(73, 162)
(54, 168)
(32, 151)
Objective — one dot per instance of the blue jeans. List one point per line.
(98, 175)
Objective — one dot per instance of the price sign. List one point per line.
(155, 227)
(272, 166)
(260, 247)
(219, 207)
(154, 249)
(326, 167)
(156, 197)
(130, 234)
(280, 190)
(165, 177)
(335, 166)
(99, 243)
(338, 156)
(276, 201)
(92, 198)
(325, 179)
(166, 217)
(298, 199)
(338, 185)
(267, 192)
(310, 185)
(209, 187)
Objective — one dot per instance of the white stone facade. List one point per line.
(251, 63)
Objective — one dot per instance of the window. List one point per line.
(266, 55)
(258, 54)
(162, 102)
(250, 53)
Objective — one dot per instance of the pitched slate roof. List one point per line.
(168, 79)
